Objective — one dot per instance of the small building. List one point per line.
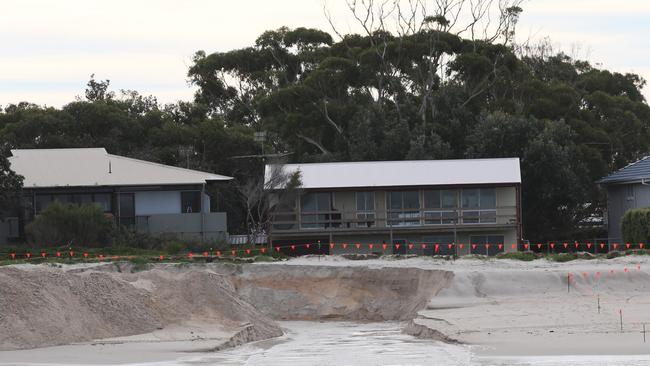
(150, 198)
(470, 201)
(627, 188)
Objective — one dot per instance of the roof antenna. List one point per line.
(109, 167)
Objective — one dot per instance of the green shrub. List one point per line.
(58, 224)
(635, 225)
(563, 257)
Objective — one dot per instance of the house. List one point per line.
(470, 201)
(149, 198)
(627, 188)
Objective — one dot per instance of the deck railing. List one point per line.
(334, 220)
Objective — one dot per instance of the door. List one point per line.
(127, 209)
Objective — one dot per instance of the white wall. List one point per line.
(157, 202)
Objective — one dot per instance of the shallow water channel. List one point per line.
(340, 343)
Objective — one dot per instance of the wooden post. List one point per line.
(598, 303)
(620, 312)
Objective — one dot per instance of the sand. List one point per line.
(506, 311)
(510, 308)
(44, 305)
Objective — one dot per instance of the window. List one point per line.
(64, 199)
(440, 207)
(310, 205)
(82, 199)
(365, 209)
(127, 209)
(103, 200)
(404, 208)
(41, 201)
(190, 202)
(479, 205)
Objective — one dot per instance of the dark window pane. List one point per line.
(395, 200)
(127, 209)
(470, 217)
(471, 198)
(432, 218)
(308, 202)
(318, 201)
(411, 199)
(323, 200)
(448, 198)
(41, 201)
(365, 201)
(190, 202)
(127, 206)
(103, 200)
(488, 217)
(448, 217)
(488, 198)
(432, 199)
(83, 199)
(65, 199)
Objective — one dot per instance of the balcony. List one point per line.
(369, 221)
(186, 226)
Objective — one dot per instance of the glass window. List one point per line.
(41, 201)
(406, 205)
(365, 209)
(103, 200)
(432, 217)
(488, 198)
(127, 209)
(395, 200)
(365, 201)
(471, 198)
(470, 217)
(83, 199)
(411, 199)
(432, 199)
(315, 202)
(448, 198)
(190, 202)
(65, 199)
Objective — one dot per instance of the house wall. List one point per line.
(620, 199)
(157, 202)
(186, 225)
(344, 201)
(162, 202)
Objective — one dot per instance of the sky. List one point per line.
(49, 49)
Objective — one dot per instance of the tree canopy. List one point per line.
(427, 93)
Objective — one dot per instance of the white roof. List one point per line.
(90, 167)
(405, 173)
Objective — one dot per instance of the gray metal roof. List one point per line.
(404, 173)
(634, 172)
(95, 167)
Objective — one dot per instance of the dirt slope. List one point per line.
(41, 306)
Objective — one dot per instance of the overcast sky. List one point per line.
(48, 49)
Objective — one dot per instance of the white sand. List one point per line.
(515, 308)
(509, 312)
